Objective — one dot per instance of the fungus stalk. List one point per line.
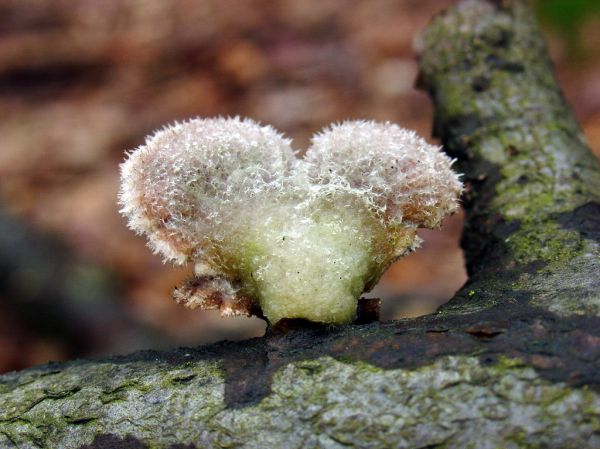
(289, 237)
(311, 260)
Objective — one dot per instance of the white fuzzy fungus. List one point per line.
(406, 180)
(182, 185)
(302, 237)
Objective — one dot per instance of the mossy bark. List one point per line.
(512, 361)
(533, 199)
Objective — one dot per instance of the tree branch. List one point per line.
(533, 223)
(511, 361)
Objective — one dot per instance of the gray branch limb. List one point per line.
(512, 361)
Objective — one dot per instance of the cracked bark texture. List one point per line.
(512, 361)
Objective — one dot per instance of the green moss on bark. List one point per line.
(314, 403)
(545, 242)
(499, 110)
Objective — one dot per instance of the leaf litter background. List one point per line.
(82, 81)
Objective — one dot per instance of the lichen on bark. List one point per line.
(499, 111)
(315, 403)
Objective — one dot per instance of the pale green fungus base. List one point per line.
(313, 260)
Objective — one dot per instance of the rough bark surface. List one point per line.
(512, 361)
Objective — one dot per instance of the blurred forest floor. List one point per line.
(82, 81)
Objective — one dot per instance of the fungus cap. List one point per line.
(181, 185)
(406, 179)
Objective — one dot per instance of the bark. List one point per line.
(512, 361)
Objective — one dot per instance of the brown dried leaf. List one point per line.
(216, 293)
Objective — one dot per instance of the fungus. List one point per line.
(277, 236)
